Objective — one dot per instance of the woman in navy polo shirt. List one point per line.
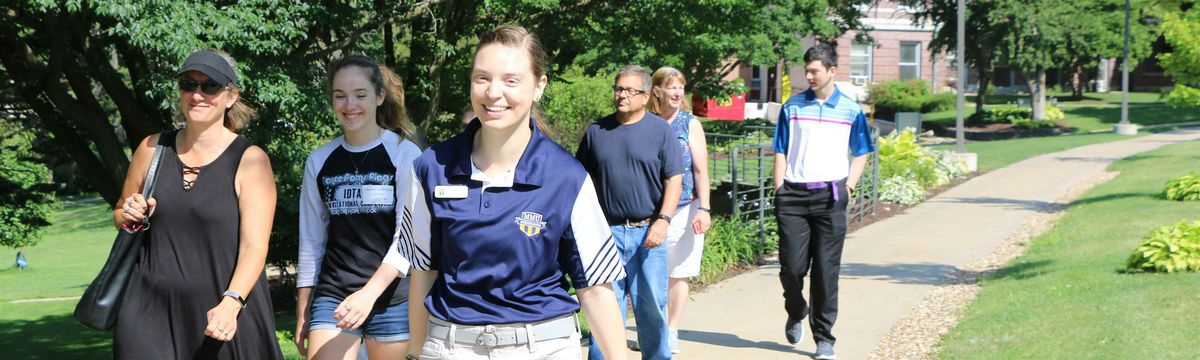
(495, 218)
(348, 216)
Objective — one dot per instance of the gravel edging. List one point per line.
(916, 335)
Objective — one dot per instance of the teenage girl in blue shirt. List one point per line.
(495, 218)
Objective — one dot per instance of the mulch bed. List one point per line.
(988, 132)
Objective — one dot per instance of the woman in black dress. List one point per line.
(199, 290)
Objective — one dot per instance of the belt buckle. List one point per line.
(488, 338)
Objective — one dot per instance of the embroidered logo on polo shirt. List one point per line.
(530, 223)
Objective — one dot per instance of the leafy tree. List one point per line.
(981, 36)
(99, 74)
(1037, 35)
(26, 193)
(1181, 29)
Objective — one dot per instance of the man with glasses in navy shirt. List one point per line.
(637, 165)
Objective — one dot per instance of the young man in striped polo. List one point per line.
(818, 131)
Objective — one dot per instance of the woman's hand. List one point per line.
(353, 311)
(301, 336)
(702, 222)
(222, 319)
(137, 208)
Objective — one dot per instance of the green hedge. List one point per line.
(893, 96)
(1019, 116)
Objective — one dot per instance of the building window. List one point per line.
(756, 83)
(910, 60)
(860, 63)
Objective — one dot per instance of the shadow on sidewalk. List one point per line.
(734, 341)
(916, 274)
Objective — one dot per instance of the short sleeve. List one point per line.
(780, 144)
(861, 142)
(588, 253)
(412, 244)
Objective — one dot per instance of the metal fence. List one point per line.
(743, 184)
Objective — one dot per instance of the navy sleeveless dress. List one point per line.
(185, 265)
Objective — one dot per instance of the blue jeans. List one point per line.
(646, 282)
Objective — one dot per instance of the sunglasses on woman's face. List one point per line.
(207, 87)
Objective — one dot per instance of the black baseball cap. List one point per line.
(212, 64)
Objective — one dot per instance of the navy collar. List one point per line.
(811, 96)
(529, 167)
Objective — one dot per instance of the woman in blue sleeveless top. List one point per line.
(685, 237)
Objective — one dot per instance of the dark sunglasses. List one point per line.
(208, 87)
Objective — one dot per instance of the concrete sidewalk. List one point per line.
(889, 266)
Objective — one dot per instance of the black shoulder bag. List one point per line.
(97, 308)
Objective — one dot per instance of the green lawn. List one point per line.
(1067, 298)
(62, 265)
(1094, 111)
(997, 154)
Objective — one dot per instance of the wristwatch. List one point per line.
(411, 357)
(662, 216)
(704, 209)
(235, 296)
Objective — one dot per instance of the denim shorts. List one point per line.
(387, 326)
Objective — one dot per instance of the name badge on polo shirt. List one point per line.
(378, 195)
(450, 192)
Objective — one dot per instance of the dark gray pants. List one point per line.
(812, 230)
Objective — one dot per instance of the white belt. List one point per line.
(501, 335)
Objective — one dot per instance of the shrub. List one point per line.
(1183, 188)
(901, 190)
(1019, 116)
(937, 102)
(893, 96)
(900, 155)
(573, 102)
(730, 241)
(949, 167)
(1169, 249)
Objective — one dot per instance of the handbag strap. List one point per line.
(152, 171)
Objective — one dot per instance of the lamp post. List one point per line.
(1124, 127)
(960, 85)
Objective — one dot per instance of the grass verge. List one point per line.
(1068, 297)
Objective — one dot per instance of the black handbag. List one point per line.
(97, 308)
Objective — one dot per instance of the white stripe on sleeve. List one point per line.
(411, 245)
(597, 250)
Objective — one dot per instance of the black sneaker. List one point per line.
(825, 351)
(794, 329)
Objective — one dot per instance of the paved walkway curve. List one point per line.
(889, 266)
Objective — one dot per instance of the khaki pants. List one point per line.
(549, 349)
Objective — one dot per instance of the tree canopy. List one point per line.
(1181, 29)
(98, 75)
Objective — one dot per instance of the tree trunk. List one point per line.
(1078, 82)
(1037, 91)
(985, 81)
